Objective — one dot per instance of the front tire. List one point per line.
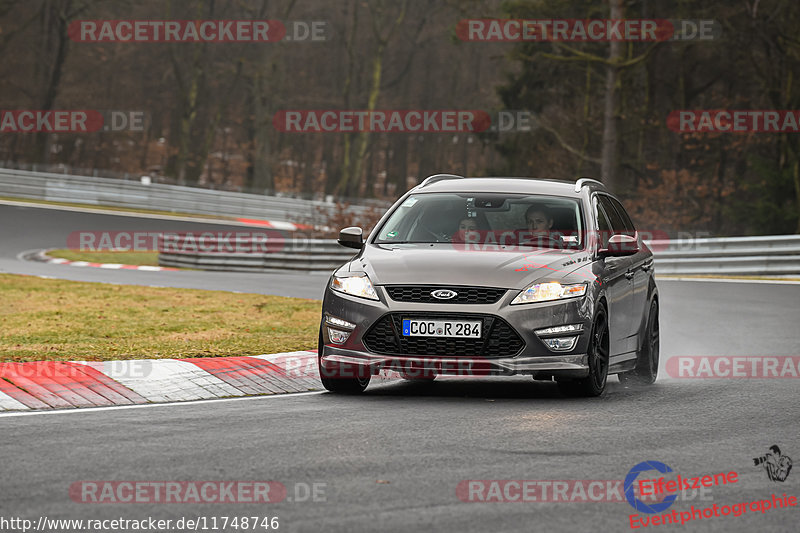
(646, 369)
(344, 379)
(598, 354)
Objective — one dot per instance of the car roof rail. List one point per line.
(582, 182)
(439, 177)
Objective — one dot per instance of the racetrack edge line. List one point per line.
(163, 404)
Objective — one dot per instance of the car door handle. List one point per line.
(629, 274)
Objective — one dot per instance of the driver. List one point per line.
(538, 220)
(467, 231)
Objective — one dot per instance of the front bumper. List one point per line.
(533, 358)
(572, 366)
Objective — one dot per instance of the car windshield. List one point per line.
(481, 219)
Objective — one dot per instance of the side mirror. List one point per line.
(352, 237)
(620, 245)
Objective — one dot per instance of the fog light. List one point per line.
(337, 336)
(561, 344)
(338, 322)
(555, 330)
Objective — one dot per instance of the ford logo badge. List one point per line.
(444, 294)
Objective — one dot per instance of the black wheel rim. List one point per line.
(654, 342)
(599, 355)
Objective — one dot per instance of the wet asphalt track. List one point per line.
(420, 441)
(32, 228)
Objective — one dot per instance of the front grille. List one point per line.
(465, 295)
(498, 338)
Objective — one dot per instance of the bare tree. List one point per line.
(355, 145)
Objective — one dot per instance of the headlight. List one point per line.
(545, 292)
(358, 285)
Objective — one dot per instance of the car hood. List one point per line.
(443, 264)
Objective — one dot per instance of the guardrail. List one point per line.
(743, 256)
(158, 196)
(754, 256)
(768, 255)
(248, 254)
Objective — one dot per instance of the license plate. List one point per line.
(441, 328)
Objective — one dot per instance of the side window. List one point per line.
(625, 217)
(603, 225)
(617, 224)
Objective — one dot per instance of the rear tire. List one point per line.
(598, 356)
(351, 379)
(646, 369)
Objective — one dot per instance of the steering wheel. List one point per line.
(538, 238)
(440, 237)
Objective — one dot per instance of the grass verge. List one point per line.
(46, 319)
(125, 258)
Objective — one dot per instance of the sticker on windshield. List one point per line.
(410, 202)
(391, 235)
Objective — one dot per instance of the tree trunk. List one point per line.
(187, 119)
(353, 165)
(54, 25)
(262, 174)
(610, 163)
(363, 137)
(797, 191)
